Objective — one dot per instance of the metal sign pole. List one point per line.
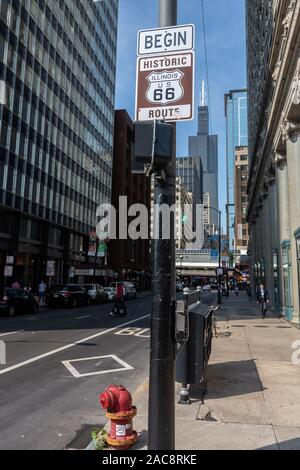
(161, 426)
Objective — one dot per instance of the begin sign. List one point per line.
(165, 74)
(164, 40)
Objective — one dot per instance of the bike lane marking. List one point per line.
(11, 333)
(68, 346)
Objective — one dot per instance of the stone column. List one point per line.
(267, 249)
(283, 218)
(273, 228)
(293, 165)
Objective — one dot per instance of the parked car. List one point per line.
(111, 292)
(69, 295)
(96, 292)
(130, 290)
(17, 301)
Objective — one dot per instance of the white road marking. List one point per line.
(68, 346)
(85, 316)
(11, 333)
(76, 374)
(140, 332)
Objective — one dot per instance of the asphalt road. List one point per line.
(45, 397)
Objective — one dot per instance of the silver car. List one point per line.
(96, 292)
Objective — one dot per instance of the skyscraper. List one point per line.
(236, 112)
(187, 171)
(204, 148)
(57, 86)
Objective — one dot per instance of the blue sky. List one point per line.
(225, 34)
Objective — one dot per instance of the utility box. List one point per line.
(192, 359)
(153, 141)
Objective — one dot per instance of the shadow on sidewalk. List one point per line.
(228, 379)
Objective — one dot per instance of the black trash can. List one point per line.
(192, 360)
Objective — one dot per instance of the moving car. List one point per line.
(96, 292)
(69, 295)
(17, 301)
(130, 290)
(111, 292)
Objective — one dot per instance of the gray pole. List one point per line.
(220, 261)
(161, 421)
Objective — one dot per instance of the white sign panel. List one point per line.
(8, 271)
(165, 40)
(9, 260)
(50, 268)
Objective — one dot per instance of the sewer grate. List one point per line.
(238, 326)
(285, 327)
(261, 326)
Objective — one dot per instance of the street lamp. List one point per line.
(219, 232)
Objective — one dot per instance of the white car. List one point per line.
(96, 293)
(111, 292)
(130, 290)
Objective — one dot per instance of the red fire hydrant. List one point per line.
(118, 403)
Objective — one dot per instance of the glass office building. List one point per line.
(186, 170)
(236, 112)
(57, 86)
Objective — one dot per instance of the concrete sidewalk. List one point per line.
(252, 399)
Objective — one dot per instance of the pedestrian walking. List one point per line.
(120, 305)
(236, 290)
(262, 297)
(42, 292)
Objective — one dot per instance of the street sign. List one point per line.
(9, 260)
(165, 40)
(50, 268)
(8, 271)
(165, 87)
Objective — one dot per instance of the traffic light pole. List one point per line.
(161, 422)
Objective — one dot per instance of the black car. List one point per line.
(69, 295)
(17, 301)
